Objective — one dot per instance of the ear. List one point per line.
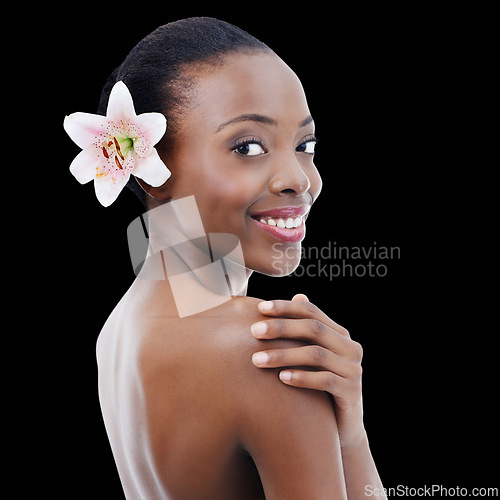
(160, 193)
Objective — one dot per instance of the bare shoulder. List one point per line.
(234, 331)
(211, 344)
(199, 376)
(264, 392)
(216, 347)
(212, 354)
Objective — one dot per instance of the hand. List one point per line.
(336, 358)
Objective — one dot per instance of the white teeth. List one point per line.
(288, 223)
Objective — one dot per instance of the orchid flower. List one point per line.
(117, 145)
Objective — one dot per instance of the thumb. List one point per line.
(301, 297)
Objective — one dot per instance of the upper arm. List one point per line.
(292, 436)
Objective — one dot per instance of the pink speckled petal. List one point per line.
(152, 169)
(151, 128)
(83, 167)
(108, 187)
(120, 104)
(85, 129)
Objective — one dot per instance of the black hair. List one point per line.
(155, 69)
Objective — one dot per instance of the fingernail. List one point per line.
(260, 358)
(265, 306)
(286, 376)
(259, 329)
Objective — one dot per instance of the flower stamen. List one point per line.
(117, 161)
(105, 153)
(118, 150)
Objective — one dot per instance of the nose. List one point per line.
(289, 177)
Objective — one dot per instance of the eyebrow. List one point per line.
(260, 119)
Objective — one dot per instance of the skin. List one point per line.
(224, 419)
(205, 164)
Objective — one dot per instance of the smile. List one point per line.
(289, 223)
(286, 224)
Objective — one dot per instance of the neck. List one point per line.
(203, 270)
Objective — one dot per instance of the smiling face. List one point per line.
(245, 149)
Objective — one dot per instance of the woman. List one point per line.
(229, 397)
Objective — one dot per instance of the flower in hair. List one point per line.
(117, 145)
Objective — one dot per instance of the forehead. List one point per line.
(248, 84)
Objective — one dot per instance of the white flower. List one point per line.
(117, 145)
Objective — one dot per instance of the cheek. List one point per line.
(224, 199)
(222, 192)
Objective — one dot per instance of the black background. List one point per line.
(382, 86)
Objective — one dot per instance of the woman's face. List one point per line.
(244, 149)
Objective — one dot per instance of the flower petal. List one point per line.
(83, 167)
(152, 127)
(117, 145)
(151, 169)
(85, 128)
(120, 104)
(107, 187)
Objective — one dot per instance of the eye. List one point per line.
(250, 147)
(308, 146)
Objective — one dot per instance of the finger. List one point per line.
(311, 356)
(320, 381)
(311, 330)
(299, 309)
(301, 297)
(344, 391)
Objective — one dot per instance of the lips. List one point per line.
(283, 212)
(285, 223)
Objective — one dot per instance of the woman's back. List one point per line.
(121, 394)
(185, 408)
(169, 407)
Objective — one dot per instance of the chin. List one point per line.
(284, 269)
(276, 267)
